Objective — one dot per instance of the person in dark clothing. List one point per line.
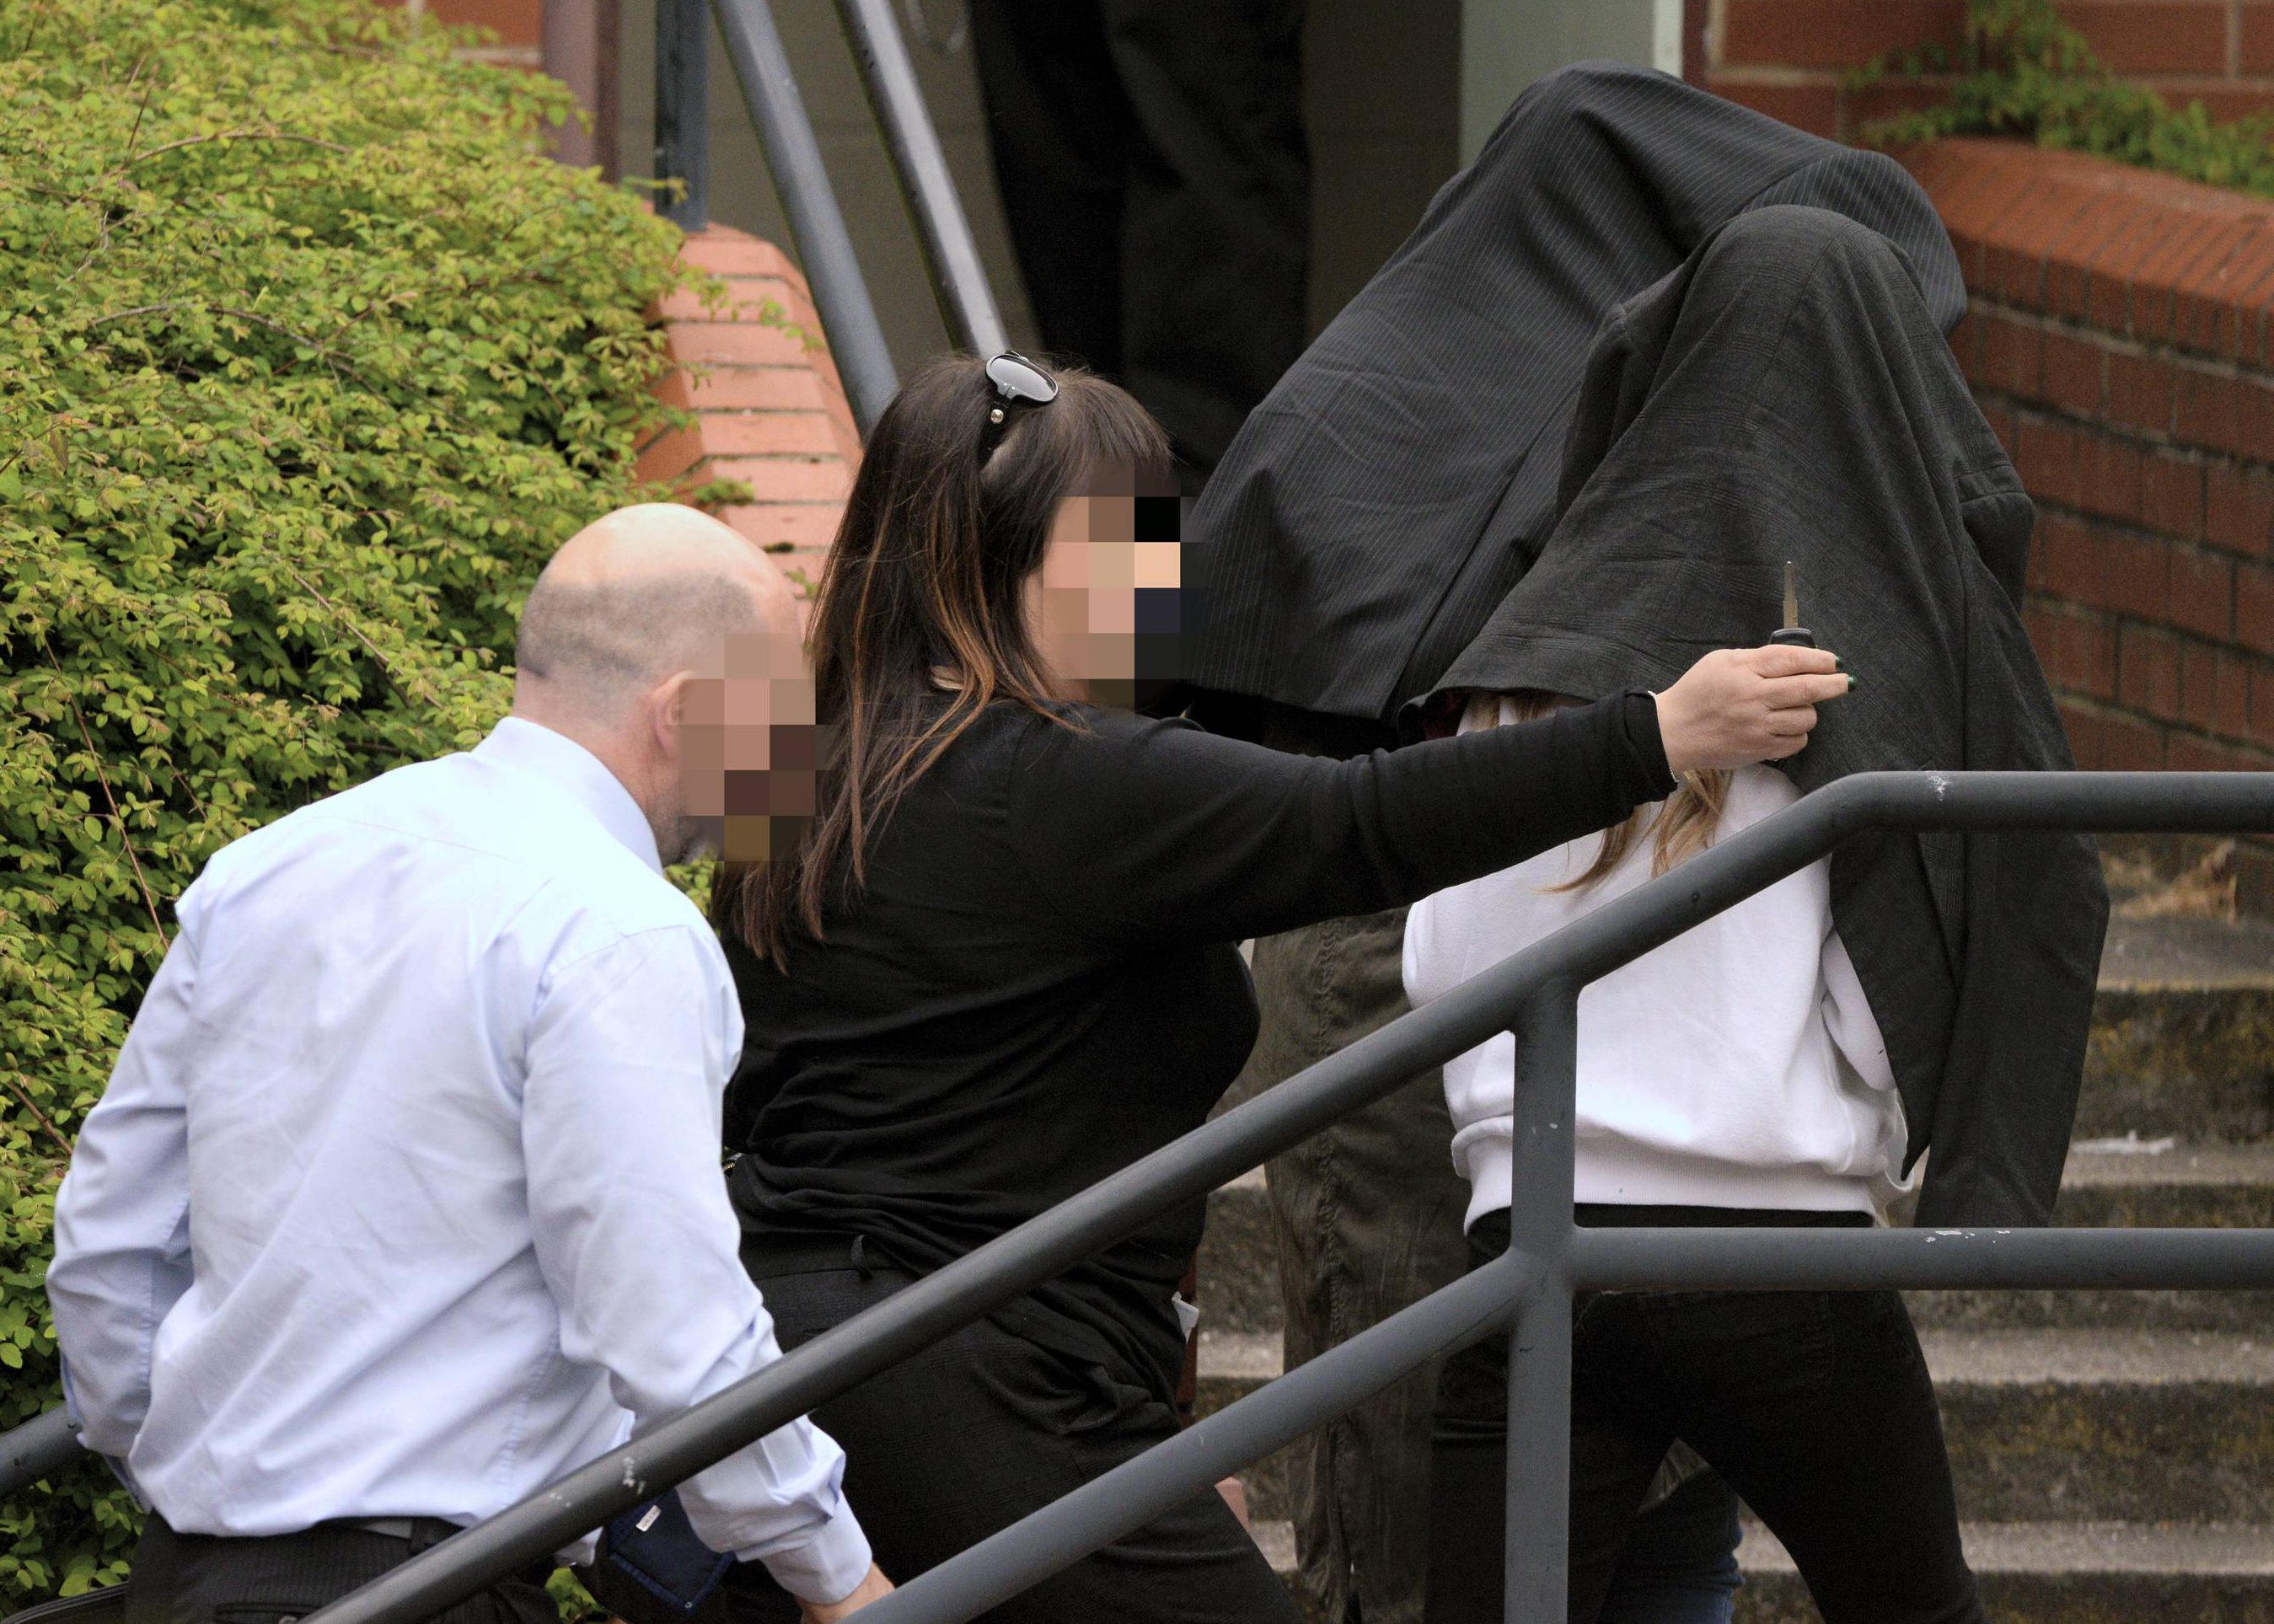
(1394, 494)
(1158, 186)
(1784, 397)
(1000, 963)
(1386, 500)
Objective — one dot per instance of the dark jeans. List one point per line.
(1679, 1565)
(201, 1579)
(1368, 1217)
(983, 1428)
(1815, 1406)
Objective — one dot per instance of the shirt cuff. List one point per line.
(826, 1566)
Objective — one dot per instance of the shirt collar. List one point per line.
(530, 747)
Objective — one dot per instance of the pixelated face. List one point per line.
(750, 749)
(1107, 603)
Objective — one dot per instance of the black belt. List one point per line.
(424, 1531)
(423, 1534)
(418, 1534)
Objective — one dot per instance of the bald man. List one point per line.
(403, 1198)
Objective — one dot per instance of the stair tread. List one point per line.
(2187, 955)
(1249, 1356)
(2225, 1549)
(2158, 1358)
(1982, 1357)
(1275, 1538)
(2138, 1162)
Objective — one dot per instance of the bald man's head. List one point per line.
(632, 597)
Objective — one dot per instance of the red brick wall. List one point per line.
(769, 409)
(1787, 57)
(519, 26)
(2121, 341)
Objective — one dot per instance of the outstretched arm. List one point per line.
(1160, 832)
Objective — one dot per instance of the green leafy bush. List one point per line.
(308, 359)
(2021, 70)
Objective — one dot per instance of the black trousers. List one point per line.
(1158, 189)
(201, 1579)
(1815, 1406)
(983, 1427)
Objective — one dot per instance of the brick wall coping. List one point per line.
(769, 408)
(2123, 249)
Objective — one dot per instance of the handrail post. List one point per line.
(1539, 1346)
(683, 108)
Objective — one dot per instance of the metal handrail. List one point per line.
(793, 154)
(1220, 1150)
(958, 279)
(825, 247)
(682, 109)
(1541, 986)
(39, 1448)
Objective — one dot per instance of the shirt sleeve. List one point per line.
(1158, 832)
(122, 1217)
(627, 1061)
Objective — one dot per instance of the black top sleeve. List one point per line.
(1141, 832)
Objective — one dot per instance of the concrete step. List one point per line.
(2131, 1183)
(2069, 1573)
(1239, 1260)
(2042, 1425)
(2117, 1426)
(1233, 1365)
(2044, 1573)
(2183, 1033)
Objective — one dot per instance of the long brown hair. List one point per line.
(1683, 826)
(928, 575)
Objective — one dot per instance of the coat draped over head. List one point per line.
(1375, 506)
(1786, 396)
(1648, 349)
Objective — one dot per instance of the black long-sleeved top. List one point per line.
(1040, 983)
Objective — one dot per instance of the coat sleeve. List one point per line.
(1162, 833)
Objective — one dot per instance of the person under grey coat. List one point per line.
(1361, 535)
(1379, 532)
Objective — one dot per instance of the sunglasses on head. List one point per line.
(1018, 384)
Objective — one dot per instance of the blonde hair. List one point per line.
(1684, 825)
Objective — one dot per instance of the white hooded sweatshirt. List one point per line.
(1738, 1065)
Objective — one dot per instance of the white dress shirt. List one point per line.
(404, 1197)
(1738, 1065)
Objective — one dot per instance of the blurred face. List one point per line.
(1107, 605)
(749, 749)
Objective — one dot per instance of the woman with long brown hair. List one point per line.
(999, 962)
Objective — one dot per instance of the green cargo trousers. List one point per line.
(1368, 1216)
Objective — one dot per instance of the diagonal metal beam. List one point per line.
(958, 279)
(825, 247)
